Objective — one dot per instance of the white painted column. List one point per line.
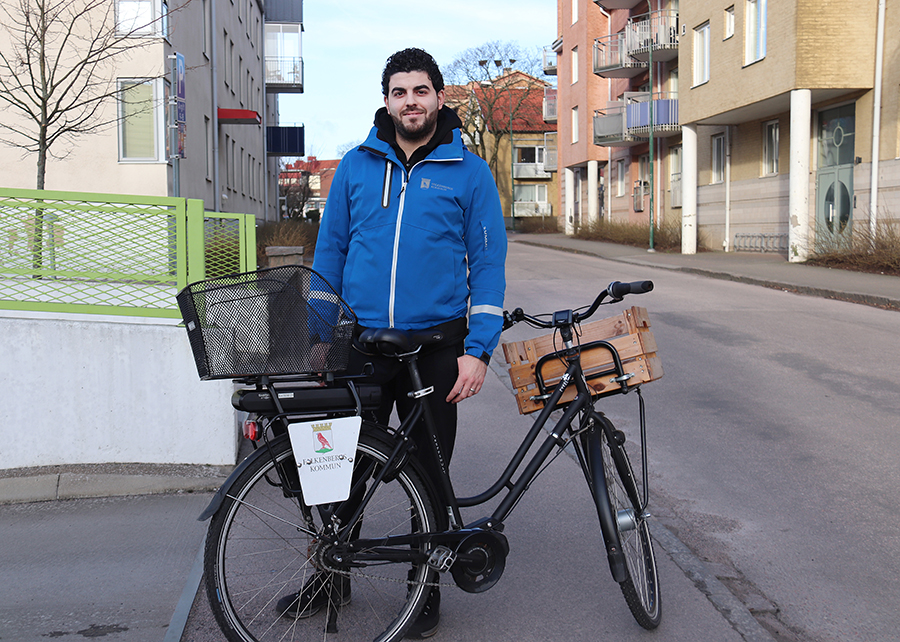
(570, 202)
(689, 189)
(798, 197)
(593, 172)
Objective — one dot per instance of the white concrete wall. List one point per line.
(82, 389)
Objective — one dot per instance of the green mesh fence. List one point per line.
(113, 254)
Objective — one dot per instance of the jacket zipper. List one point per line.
(406, 177)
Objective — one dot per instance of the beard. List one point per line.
(417, 133)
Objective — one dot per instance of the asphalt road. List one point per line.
(773, 438)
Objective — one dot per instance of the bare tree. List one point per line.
(494, 89)
(56, 71)
(295, 186)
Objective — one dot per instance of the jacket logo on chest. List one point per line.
(427, 184)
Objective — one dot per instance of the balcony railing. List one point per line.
(550, 152)
(665, 114)
(658, 31)
(627, 122)
(284, 75)
(611, 59)
(617, 4)
(550, 105)
(525, 208)
(530, 170)
(549, 61)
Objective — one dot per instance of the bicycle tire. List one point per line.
(641, 585)
(256, 553)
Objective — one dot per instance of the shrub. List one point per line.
(862, 249)
(666, 237)
(288, 233)
(537, 224)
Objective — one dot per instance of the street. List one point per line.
(773, 437)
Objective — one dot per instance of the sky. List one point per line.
(345, 44)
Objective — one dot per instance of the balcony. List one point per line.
(617, 4)
(549, 61)
(527, 208)
(611, 59)
(530, 170)
(550, 104)
(550, 151)
(284, 75)
(285, 141)
(657, 32)
(627, 122)
(664, 106)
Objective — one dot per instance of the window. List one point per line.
(644, 168)
(227, 59)
(207, 22)
(574, 11)
(755, 36)
(142, 17)
(620, 178)
(530, 155)
(530, 193)
(141, 120)
(729, 22)
(574, 65)
(207, 127)
(718, 158)
(574, 124)
(770, 148)
(701, 54)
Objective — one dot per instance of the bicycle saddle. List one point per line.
(395, 342)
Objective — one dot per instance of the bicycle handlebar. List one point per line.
(616, 291)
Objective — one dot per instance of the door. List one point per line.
(834, 178)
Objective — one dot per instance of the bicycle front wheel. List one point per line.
(263, 546)
(641, 586)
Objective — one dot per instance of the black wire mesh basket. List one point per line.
(275, 321)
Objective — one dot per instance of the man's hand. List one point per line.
(471, 376)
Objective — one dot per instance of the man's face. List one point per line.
(413, 105)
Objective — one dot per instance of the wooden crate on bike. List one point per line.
(629, 332)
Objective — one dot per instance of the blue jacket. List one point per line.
(415, 249)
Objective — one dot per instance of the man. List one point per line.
(412, 237)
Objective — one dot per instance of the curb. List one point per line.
(838, 295)
(61, 486)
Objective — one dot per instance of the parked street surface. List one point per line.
(772, 455)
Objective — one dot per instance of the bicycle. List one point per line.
(374, 556)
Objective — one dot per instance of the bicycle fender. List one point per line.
(220, 495)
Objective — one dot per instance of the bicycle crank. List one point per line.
(480, 560)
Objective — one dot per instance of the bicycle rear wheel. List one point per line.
(262, 546)
(641, 586)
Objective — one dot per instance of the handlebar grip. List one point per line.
(618, 290)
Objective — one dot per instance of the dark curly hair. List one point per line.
(408, 60)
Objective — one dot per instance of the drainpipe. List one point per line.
(726, 243)
(214, 64)
(876, 122)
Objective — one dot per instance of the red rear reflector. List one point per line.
(251, 430)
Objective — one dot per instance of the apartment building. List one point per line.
(580, 163)
(503, 120)
(196, 113)
(784, 133)
(790, 123)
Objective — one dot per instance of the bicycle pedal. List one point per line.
(441, 559)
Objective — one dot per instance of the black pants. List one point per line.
(438, 367)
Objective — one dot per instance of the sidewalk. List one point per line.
(767, 270)
(120, 560)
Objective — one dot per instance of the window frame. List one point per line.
(717, 159)
(701, 54)
(158, 111)
(770, 148)
(755, 31)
